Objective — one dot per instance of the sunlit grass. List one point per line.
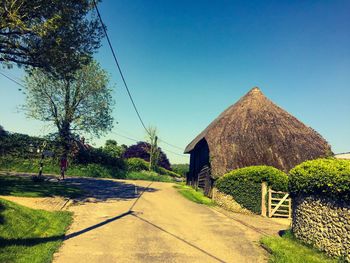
(25, 187)
(28, 235)
(193, 195)
(287, 249)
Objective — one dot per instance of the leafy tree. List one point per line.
(58, 36)
(80, 105)
(181, 169)
(2, 131)
(141, 150)
(154, 151)
(113, 149)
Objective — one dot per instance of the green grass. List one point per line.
(148, 176)
(193, 195)
(28, 235)
(51, 167)
(287, 249)
(89, 170)
(24, 186)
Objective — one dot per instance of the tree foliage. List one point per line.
(141, 150)
(113, 149)
(58, 36)
(80, 105)
(154, 151)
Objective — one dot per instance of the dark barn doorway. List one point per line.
(199, 174)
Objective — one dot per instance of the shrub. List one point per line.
(328, 177)
(136, 164)
(181, 169)
(163, 171)
(141, 150)
(244, 184)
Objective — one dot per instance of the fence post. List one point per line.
(269, 202)
(290, 208)
(263, 198)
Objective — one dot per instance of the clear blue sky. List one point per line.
(186, 61)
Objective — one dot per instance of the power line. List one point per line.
(136, 140)
(119, 69)
(177, 147)
(13, 80)
(160, 140)
(122, 76)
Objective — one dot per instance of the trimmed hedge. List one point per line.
(327, 177)
(244, 184)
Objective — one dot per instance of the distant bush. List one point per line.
(244, 184)
(141, 150)
(149, 176)
(328, 177)
(136, 164)
(181, 169)
(98, 156)
(163, 171)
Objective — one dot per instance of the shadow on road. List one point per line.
(103, 190)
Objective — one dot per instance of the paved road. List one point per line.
(115, 224)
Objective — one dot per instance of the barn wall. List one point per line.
(199, 158)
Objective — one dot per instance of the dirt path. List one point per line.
(116, 224)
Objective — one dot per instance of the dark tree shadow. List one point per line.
(28, 242)
(103, 190)
(2, 218)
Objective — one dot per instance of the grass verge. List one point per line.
(287, 249)
(25, 187)
(28, 235)
(193, 195)
(148, 176)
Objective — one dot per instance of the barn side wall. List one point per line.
(199, 158)
(323, 223)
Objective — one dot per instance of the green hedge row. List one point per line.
(328, 177)
(244, 184)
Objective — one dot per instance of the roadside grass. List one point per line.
(89, 170)
(25, 187)
(193, 195)
(148, 176)
(287, 249)
(28, 235)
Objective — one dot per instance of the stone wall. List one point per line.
(323, 223)
(227, 202)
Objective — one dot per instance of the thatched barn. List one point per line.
(253, 131)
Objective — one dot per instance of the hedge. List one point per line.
(327, 177)
(136, 164)
(244, 184)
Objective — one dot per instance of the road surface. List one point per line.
(152, 223)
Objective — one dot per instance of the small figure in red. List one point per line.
(63, 165)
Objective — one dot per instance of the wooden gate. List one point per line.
(279, 204)
(205, 181)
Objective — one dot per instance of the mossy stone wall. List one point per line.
(323, 223)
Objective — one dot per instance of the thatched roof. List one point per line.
(256, 131)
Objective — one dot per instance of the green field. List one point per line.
(28, 235)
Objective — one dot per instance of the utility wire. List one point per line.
(161, 141)
(13, 80)
(169, 144)
(119, 68)
(136, 140)
(122, 75)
